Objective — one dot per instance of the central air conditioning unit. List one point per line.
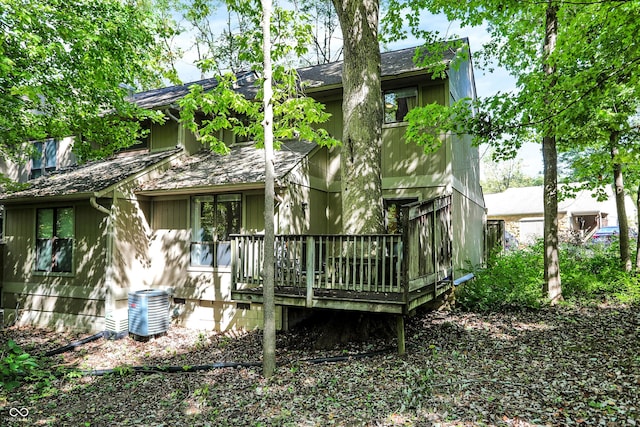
(148, 312)
(117, 321)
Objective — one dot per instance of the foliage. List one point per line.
(225, 108)
(65, 68)
(15, 366)
(502, 175)
(512, 279)
(593, 273)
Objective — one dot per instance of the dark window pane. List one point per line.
(398, 102)
(36, 160)
(63, 249)
(50, 154)
(214, 219)
(45, 224)
(43, 254)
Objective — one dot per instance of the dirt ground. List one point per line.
(557, 366)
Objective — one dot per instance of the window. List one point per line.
(54, 239)
(398, 102)
(45, 158)
(214, 218)
(393, 214)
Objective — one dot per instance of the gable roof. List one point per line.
(243, 165)
(168, 96)
(84, 180)
(529, 201)
(393, 63)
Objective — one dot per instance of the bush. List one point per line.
(15, 365)
(511, 279)
(594, 274)
(590, 274)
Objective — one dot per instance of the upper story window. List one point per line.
(55, 232)
(45, 158)
(398, 102)
(214, 218)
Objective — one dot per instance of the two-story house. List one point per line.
(172, 214)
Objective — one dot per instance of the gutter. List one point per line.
(110, 290)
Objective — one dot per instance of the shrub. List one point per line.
(15, 365)
(590, 274)
(511, 279)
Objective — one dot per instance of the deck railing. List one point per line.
(368, 263)
(380, 264)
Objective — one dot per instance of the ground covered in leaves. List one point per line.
(556, 366)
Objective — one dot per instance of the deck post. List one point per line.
(234, 263)
(311, 274)
(400, 333)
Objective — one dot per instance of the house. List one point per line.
(172, 215)
(522, 210)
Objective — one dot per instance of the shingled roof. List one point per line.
(243, 165)
(394, 63)
(168, 96)
(89, 178)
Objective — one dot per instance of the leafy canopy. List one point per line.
(66, 68)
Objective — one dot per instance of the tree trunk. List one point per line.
(618, 185)
(638, 240)
(360, 158)
(552, 285)
(269, 311)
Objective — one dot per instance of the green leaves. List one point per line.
(62, 66)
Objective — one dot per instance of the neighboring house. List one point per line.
(522, 210)
(168, 215)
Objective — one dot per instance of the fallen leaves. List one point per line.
(556, 366)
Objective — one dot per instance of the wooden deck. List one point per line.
(389, 273)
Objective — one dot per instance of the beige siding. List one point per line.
(170, 214)
(468, 222)
(254, 213)
(164, 135)
(74, 300)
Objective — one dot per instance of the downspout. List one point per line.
(109, 285)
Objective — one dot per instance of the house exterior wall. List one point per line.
(468, 213)
(61, 300)
(201, 295)
(18, 170)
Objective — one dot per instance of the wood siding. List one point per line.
(46, 298)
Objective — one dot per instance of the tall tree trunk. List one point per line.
(638, 240)
(269, 311)
(362, 211)
(552, 285)
(618, 185)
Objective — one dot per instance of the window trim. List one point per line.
(193, 211)
(44, 170)
(402, 122)
(51, 272)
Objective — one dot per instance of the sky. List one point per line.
(487, 83)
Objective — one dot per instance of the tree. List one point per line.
(218, 49)
(559, 52)
(269, 340)
(278, 112)
(325, 25)
(67, 69)
(500, 175)
(362, 111)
